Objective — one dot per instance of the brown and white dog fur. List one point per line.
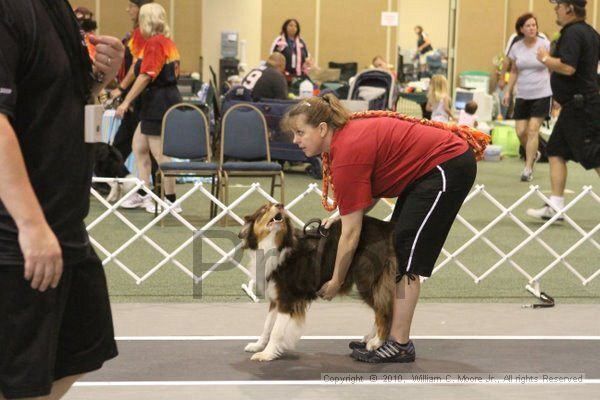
(294, 275)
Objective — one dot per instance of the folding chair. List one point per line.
(245, 138)
(185, 135)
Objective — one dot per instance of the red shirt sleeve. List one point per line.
(153, 59)
(352, 185)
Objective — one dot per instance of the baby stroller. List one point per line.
(376, 86)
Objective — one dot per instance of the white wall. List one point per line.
(432, 15)
(243, 16)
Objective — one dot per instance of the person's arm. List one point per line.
(39, 245)
(429, 106)
(554, 64)
(280, 88)
(138, 87)
(351, 228)
(327, 222)
(514, 73)
(109, 56)
(125, 83)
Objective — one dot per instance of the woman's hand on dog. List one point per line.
(327, 222)
(329, 290)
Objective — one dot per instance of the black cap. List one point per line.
(580, 3)
(140, 3)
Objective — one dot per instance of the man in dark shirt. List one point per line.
(576, 135)
(268, 82)
(55, 318)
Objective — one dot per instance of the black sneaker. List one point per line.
(390, 351)
(357, 344)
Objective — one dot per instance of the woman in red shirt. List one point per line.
(134, 42)
(156, 71)
(382, 154)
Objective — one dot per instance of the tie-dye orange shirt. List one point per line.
(159, 60)
(134, 43)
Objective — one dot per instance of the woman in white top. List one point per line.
(534, 95)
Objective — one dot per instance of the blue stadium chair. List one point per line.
(245, 148)
(185, 135)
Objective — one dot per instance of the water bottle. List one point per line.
(306, 89)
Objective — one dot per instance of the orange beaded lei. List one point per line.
(477, 141)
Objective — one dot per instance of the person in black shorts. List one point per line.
(576, 135)
(534, 95)
(373, 155)
(55, 317)
(156, 71)
(134, 43)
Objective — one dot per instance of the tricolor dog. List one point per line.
(297, 265)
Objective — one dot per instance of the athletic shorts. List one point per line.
(576, 134)
(425, 212)
(535, 108)
(61, 332)
(151, 127)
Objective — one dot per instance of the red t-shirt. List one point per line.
(379, 157)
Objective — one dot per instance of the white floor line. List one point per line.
(334, 337)
(311, 383)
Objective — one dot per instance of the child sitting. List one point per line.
(438, 99)
(467, 116)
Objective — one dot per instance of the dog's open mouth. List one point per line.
(277, 219)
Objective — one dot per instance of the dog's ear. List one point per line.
(244, 231)
(247, 235)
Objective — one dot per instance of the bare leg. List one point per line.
(141, 150)
(405, 301)
(531, 148)
(521, 129)
(558, 175)
(155, 148)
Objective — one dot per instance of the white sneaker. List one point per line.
(526, 175)
(150, 207)
(538, 155)
(136, 200)
(544, 213)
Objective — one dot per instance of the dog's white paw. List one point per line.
(263, 356)
(254, 347)
(374, 343)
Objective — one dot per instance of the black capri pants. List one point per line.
(425, 212)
